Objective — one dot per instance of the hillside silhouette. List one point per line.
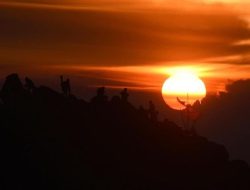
(52, 140)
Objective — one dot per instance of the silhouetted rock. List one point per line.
(12, 88)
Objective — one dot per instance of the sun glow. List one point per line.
(186, 86)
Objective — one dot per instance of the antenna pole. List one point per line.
(188, 113)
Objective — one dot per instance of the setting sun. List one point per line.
(185, 86)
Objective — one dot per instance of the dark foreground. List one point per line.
(55, 141)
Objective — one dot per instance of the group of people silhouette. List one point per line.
(189, 115)
(101, 99)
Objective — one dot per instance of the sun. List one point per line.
(184, 85)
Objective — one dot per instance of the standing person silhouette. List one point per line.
(65, 86)
(29, 84)
(124, 95)
(153, 113)
(100, 98)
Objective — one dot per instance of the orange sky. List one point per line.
(126, 43)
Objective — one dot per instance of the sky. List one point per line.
(126, 42)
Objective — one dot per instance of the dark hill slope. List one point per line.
(49, 141)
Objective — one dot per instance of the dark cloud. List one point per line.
(52, 2)
(104, 37)
(226, 119)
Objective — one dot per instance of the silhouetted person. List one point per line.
(29, 84)
(153, 113)
(196, 110)
(65, 86)
(124, 95)
(100, 97)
